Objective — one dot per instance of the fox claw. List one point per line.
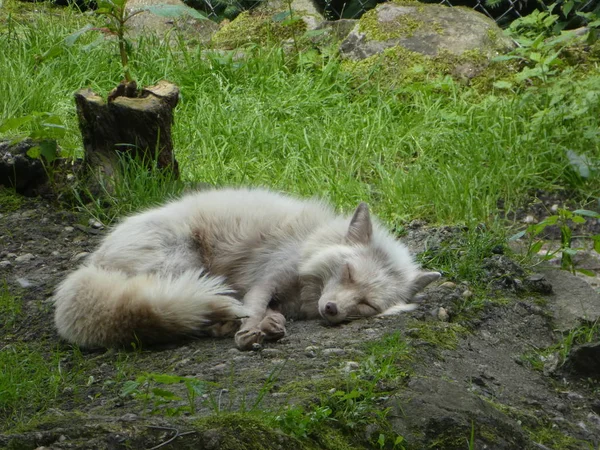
(245, 339)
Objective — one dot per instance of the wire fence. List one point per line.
(502, 12)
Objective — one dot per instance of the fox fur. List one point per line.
(216, 262)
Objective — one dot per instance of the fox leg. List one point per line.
(257, 302)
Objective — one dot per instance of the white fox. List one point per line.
(221, 261)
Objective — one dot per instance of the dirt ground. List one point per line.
(456, 376)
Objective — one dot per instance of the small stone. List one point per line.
(350, 366)
(584, 360)
(311, 351)
(68, 229)
(256, 347)
(271, 352)
(95, 224)
(24, 282)
(219, 368)
(55, 253)
(70, 177)
(334, 352)
(24, 258)
(448, 285)
(442, 314)
(5, 263)
(129, 417)
(62, 438)
(530, 220)
(467, 294)
(554, 208)
(79, 256)
(184, 362)
(11, 255)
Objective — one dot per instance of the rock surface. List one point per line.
(573, 301)
(424, 28)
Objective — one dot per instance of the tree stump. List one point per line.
(131, 122)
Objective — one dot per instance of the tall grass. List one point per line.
(441, 152)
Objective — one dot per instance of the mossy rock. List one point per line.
(261, 27)
(425, 29)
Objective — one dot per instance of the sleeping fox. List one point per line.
(234, 261)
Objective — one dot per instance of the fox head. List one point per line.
(369, 273)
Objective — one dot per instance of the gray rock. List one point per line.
(149, 23)
(24, 258)
(334, 352)
(584, 360)
(18, 170)
(538, 283)
(572, 301)
(430, 409)
(426, 29)
(5, 263)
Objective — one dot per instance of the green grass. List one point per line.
(441, 152)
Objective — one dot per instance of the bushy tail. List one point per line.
(101, 308)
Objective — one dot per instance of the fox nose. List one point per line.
(331, 309)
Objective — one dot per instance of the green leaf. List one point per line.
(517, 236)
(535, 248)
(72, 38)
(129, 387)
(49, 150)
(502, 84)
(587, 213)
(174, 11)
(165, 379)
(280, 17)
(13, 124)
(34, 152)
(596, 239)
(163, 393)
(589, 273)
(578, 219)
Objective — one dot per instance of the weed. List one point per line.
(583, 334)
(564, 220)
(150, 388)
(10, 307)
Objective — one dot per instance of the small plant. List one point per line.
(150, 388)
(10, 306)
(117, 15)
(563, 219)
(300, 423)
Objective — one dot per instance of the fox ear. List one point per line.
(423, 279)
(361, 228)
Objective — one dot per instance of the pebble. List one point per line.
(11, 255)
(68, 229)
(442, 314)
(311, 351)
(334, 352)
(5, 263)
(554, 208)
(55, 253)
(95, 224)
(271, 352)
(24, 282)
(24, 258)
(350, 366)
(467, 294)
(529, 219)
(79, 256)
(448, 285)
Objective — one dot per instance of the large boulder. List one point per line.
(426, 29)
(147, 22)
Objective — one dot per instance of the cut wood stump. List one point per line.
(129, 122)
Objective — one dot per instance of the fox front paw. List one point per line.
(248, 339)
(273, 326)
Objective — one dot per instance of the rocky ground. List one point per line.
(436, 376)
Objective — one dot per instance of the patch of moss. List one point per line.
(10, 200)
(259, 28)
(439, 334)
(401, 26)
